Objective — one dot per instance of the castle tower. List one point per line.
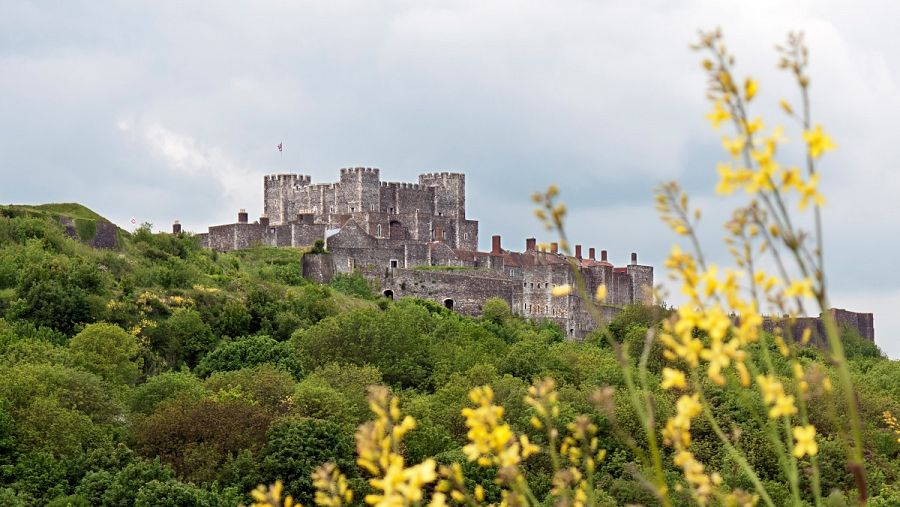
(281, 194)
(449, 193)
(360, 190)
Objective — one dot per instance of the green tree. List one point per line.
(108, 351)
(195, 437)
(496, 310)
(250, 351)
(183, 338)
(162, 387)
(295, 447)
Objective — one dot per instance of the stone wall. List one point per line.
(318, 268)
(463, 291)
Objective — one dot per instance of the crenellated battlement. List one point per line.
(445, 175)
(354, 170)
(291, 178)
(400, 184)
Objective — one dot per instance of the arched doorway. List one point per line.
(388, 294)
(448, 304)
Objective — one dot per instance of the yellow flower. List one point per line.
(718, 115)
(601, 293)
(754, 126)
(805, 437)
(733, 146)
(673, 378)
(750, 87)
(818, 141)
(561, 290)
(809, 192)
(784, 405)
(800, 288)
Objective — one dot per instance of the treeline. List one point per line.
(165, 374)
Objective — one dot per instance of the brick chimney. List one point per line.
(438, 233)
(530, 244)
(264, 220)
(592, 254)
(554, 247)
(633, 258)
(495, 245)
(578, 252)
(242, 216)
(176, 227)
(603, 256)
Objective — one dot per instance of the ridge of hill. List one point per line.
(79, 221)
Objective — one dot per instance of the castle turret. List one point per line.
(242, 216)
(176, 227)
(281, 193)
(360, 189)
(449, 194)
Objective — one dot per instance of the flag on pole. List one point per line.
(133, 221)
(280, 147)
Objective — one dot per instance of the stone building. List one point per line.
(414, 239)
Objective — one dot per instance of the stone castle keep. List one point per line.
(413, 239)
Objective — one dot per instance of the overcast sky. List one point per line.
(172, 110)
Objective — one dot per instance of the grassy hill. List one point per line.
(160, 373)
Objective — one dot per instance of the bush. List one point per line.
(353, 284)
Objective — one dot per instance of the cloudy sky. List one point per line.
(172, 110)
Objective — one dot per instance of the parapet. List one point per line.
(296, 179)
(398, 184)
(354, 170)
(441, 176)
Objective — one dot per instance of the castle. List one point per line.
(413, 239)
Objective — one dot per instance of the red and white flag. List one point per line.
(280, 147)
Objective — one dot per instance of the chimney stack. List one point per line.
(603, 256)
(264, 220)
(176, 227)
(633, 258)
(554, 247)
(495, 245)
(592, 254)
(242, 216)
(438, 233)
(530, 244)
(578, 252)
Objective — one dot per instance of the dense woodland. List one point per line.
(165, 374)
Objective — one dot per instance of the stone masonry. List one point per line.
(413, 239)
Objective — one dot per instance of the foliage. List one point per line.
(108, 351)
(353, 284)
(295, 447)
(250, 351)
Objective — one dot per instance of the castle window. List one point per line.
(352, 209)
(532, 285)
(331, 209)
(466, 236)
(394, 263)
(440, 214)
(378, 230)
(372, 207)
